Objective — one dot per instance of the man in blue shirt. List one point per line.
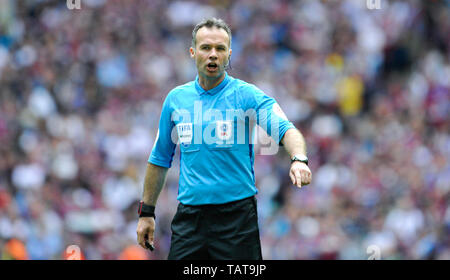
(213, 120)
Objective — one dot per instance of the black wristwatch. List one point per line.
(145, 210)
(301, 158)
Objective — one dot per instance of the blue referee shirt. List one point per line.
(215, 130)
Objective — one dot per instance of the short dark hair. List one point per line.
(211, 22)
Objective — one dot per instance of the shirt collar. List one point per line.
(214, 90)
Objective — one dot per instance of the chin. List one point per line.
(213, 75)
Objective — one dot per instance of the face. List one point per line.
(211, 52)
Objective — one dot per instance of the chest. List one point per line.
(217, 120)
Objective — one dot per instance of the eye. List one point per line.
(205, 47)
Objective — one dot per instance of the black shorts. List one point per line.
(222, 232)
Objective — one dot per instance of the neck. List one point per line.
(209, 83)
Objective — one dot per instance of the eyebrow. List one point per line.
(207, 45)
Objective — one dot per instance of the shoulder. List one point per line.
(243, 85)
(248, 94)
(245, 88)
(177, 96)
(180, 93)
(176, 91)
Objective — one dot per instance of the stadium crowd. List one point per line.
(81, 91)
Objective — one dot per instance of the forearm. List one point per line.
(294, 142)
(155, 178)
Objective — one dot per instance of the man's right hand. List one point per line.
(145, 231)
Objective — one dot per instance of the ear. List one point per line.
(192, 52)
(229, 55)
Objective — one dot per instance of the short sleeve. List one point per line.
(164, 148)
(270, 116)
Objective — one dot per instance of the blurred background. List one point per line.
(81, 92)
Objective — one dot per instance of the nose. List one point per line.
(213, 54)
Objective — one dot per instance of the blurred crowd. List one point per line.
(81, 92)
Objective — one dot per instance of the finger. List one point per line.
(298, 178)
(142, 232)
(305, 180)
(150, 237)
(141, 239)
(308, 176)
(291, 174)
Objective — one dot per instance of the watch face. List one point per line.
(300, 157)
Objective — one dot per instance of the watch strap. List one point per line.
(301, 158)
(145, 210)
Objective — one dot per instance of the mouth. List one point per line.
(212, 67)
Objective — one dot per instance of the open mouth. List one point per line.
(212, 67)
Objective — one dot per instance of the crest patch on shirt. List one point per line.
(184, 133)
(224, 130)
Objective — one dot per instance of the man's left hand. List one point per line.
(300, 174)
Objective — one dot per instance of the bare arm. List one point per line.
(155, 178)
(294, 143)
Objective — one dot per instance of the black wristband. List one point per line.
(142, 215)
(145, 210)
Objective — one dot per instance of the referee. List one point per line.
(216, 217)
